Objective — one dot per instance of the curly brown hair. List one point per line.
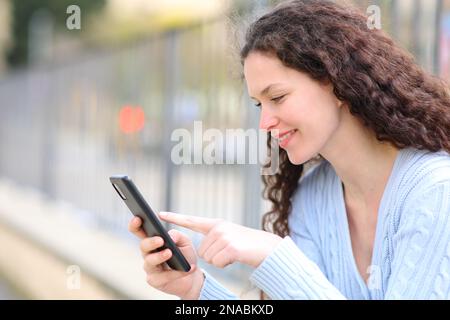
(380, 82)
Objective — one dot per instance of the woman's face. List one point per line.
(295, 104)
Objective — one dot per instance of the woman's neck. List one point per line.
(363, 163)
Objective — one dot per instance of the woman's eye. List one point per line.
(277, 99)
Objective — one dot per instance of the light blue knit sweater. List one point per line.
(411, 255)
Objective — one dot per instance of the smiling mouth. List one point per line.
(286, 135)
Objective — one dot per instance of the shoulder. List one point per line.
(423, 186)
(420, 171)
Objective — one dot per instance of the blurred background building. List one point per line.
(79, 105)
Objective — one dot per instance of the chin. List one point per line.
(298, 158)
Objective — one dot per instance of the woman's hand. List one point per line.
(182, 284)
(224, 242)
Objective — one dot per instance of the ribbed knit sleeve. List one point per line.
(288, 274)
(285, 274)
(420, 267)
(213, 290)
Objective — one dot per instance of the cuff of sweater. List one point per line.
(213, 290)
(288, 274)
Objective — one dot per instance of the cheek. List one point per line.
(313, 115)
(314, 132)
(297, 115)
(323, 118)
(317, 125)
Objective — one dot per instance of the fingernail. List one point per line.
(163, 214)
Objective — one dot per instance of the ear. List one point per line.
(339, 103)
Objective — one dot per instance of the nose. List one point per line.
(267, 119)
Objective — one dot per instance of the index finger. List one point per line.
(197, 224)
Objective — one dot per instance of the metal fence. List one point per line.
(60, 128)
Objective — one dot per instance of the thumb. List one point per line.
(180, 239)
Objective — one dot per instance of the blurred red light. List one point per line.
(131, 119)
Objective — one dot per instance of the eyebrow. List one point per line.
(267, 89)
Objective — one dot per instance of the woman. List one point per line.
(371, 220)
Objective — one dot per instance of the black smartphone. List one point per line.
(152, 226)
